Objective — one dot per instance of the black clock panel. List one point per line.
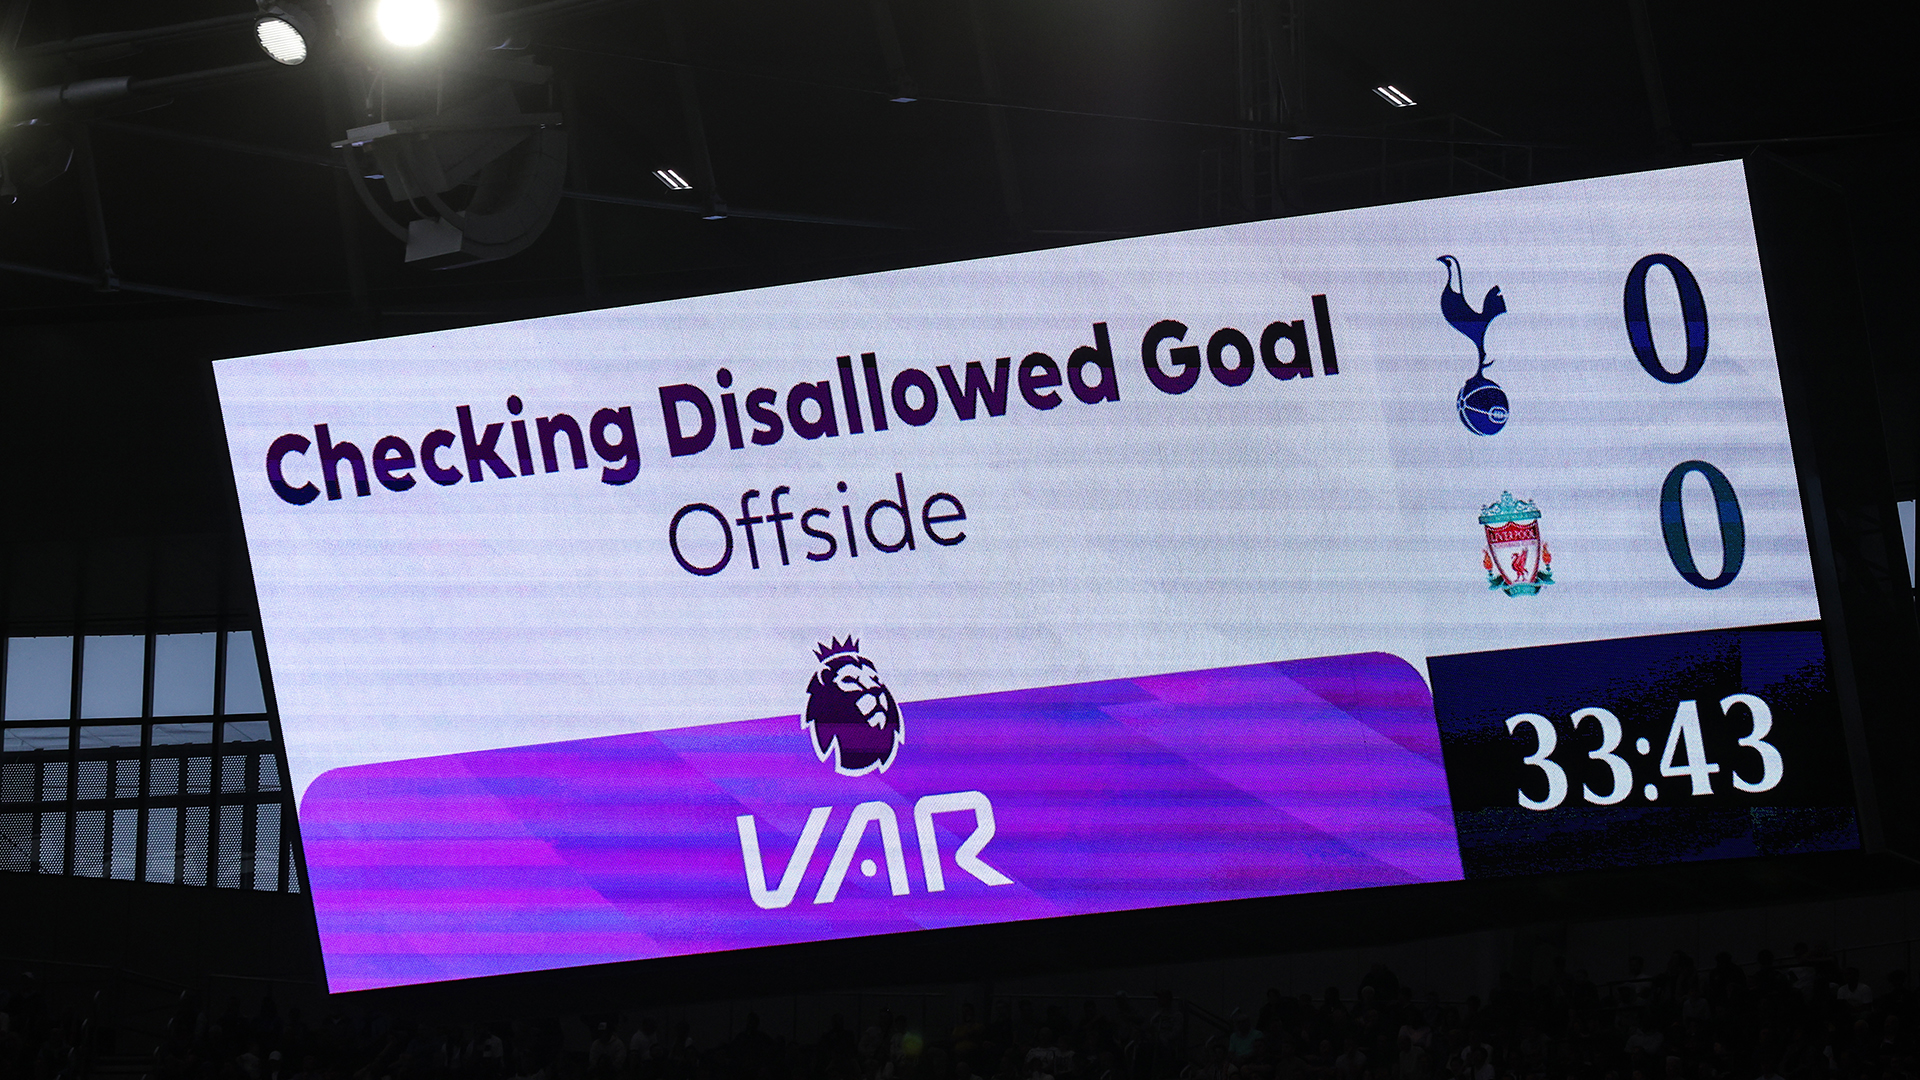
(1636, 751)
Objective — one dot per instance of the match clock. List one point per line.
(1592, 754)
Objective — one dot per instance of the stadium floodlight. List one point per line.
(407, 22)
(673, 179)
(287, 31)
(1393, 96)
(281, 39)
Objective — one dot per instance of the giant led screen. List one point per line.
(1407, 544)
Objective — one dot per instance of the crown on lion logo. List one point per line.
(837, 647)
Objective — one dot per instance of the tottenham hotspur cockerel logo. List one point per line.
(851, 714)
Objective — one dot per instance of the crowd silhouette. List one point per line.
(1800, 1017)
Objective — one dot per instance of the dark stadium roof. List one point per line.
(228, 224)
(1033, 124)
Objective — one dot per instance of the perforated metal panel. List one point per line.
(193, 861)
(53, 843)
(151, 781)
(163, 858)
(163, 779)
(53, 781)
(228, 868)
(233, 773)
(16, 841)
(93, 780)
(18, 781)
(123, 843)
(90, 843)
(199, 775)
(126, 778)
(266, 846)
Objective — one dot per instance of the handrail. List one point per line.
(168, 981)
(1906, 942)
(111, 969)
(80, 1055)
(1188, 1006)
(1836, 956)
(32, 859)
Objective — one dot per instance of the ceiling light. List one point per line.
(281, 39)
(673, 180)
(1393, 96)
(407, 22)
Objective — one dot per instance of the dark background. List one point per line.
(226, 226)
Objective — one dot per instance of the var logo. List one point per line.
(966, 857)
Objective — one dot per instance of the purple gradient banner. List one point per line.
(1261, 780)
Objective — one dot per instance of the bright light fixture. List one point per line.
(407, 22)
(281, 40)
(1393, 96)
(673, 180)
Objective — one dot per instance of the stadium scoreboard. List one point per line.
(1415, 543)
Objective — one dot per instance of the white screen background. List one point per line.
(1228, 525)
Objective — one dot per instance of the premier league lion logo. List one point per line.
(851, 714)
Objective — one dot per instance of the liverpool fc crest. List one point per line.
(1517, 560)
